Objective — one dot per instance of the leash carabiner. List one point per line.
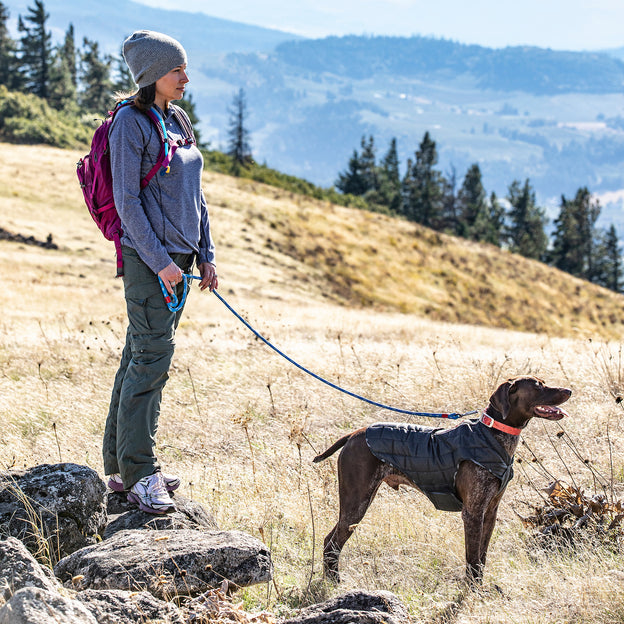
(172, 299)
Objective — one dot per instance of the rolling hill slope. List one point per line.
(272, 244)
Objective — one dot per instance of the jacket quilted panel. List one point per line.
(430, 456)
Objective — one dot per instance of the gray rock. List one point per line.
(113, 606)
(356, 607)
(19, 569)
(124, 515)
(33, 605)
(56, 508)
(168, 563)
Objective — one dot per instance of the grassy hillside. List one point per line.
(365, 301)
(347, 256)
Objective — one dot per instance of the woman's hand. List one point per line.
(171, 275)
(208, 272)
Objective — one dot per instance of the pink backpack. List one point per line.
(96, 180)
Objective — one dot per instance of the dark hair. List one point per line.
(143, 98)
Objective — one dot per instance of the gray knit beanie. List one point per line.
(150, 55)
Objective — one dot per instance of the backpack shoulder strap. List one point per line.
(165, 153)
(118, 107)
(168, 147)
(158, 122)
(182, 118)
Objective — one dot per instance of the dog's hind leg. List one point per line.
(360, 474)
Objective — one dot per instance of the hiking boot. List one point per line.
(151, 495)
(116, 484)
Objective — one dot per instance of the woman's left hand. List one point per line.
(208, 272)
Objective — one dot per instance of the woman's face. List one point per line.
(171, 86)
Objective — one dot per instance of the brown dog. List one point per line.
(389, 453)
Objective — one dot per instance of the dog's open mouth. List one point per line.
(550, 412)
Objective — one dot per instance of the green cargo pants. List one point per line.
(129, 436)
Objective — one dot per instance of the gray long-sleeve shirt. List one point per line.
(170, 215)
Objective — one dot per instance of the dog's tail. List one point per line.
(335, 446)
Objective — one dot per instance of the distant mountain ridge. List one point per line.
(554, 117)
(110, 23)
(528, 69)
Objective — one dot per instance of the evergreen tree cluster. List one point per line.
(424, 195)
(72, 79)
(69, 77)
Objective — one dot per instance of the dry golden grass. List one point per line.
(241, 425)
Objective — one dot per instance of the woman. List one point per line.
(166, 230)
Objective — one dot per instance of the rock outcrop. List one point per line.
(169, 563)
(114, 606)
(56, 509)
(355, 607)
(19, 569)
(33, 605)
(124, 515)
(118, 565)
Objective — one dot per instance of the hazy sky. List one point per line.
(557, 24)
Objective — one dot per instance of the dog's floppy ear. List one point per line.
(500, 398)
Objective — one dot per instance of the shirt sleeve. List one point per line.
(127, 143)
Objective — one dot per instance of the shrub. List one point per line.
(25, 118)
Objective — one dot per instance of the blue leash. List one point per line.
(172, 299)
(174, 306)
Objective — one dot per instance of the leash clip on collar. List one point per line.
(489, 422)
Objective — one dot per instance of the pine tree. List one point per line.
(70, 54)
(473, 217)
(576, 238)
(449, 218)
(527, 221)
(566, 253)
(422, 186)
(63, 74)
(390, 179)
(352, 181)
(95, 78)
(609, 261)
(369, 165)
(9, 68)
(588, 212)
(239, 148)
(497, 221)
(35, 50)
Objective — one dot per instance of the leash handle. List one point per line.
(172, 299)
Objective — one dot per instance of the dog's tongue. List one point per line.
(551, 412)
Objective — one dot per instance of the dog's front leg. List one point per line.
(489, 520)
(478, 490)
(473, 531)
